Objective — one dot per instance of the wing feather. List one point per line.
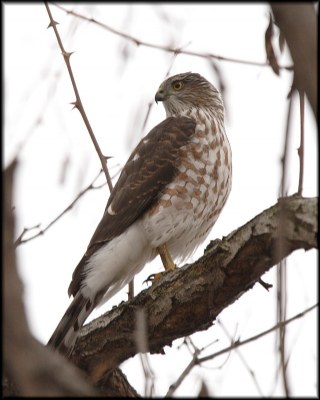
(151, 166)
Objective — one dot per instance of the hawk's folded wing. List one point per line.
(151, 166)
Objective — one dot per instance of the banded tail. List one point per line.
(64, 337)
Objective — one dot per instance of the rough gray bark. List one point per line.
(299, 24)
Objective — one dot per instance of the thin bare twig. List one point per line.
(248, 368)
(195, 352)
(141, 339)
(282, 267)
(281, 316)
(281, 292)
(169, 49)
(78, 103)
(301, 147)
(197, 361)
(259, 335)
(20, 239)
(285, 150)
(185, 373)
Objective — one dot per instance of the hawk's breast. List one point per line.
(189, 206)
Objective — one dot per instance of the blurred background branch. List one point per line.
(299, 24)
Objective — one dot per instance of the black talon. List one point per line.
(150, 279)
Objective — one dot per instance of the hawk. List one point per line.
(168, 196)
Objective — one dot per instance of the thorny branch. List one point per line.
(169, 49)
(78, 103)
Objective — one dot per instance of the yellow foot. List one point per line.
(167, 262)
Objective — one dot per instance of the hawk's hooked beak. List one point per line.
(159, 95)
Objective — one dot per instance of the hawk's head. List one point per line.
(183, 92)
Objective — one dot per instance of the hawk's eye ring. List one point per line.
(177, 85)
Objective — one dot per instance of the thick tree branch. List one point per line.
(190, 298)
(298, 23)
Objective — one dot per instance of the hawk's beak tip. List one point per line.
(159, 96)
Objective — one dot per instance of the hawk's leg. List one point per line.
(167, 262)
(166, 258)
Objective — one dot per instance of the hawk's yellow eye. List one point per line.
(177, 85)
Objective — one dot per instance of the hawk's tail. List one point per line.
(65, 335)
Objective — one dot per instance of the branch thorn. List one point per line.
(67, 54)
(75, 105)
(52, 24)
